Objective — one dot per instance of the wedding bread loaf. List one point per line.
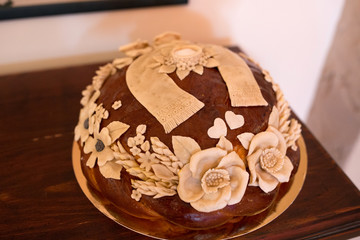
(191, 133)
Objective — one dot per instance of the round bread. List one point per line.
(121, 177)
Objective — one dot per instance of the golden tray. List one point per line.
(162, 229)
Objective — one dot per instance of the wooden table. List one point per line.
(41, 199)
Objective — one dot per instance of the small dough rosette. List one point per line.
(267, 160)
(213, 179)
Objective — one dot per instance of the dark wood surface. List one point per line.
(40, 198)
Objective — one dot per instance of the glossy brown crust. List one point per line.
(211, 90)
(117, 192)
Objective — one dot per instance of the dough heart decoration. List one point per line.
(218, 129)
(234, 121)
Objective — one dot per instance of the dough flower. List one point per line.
(213, 179)
(267, 160)
(85, 124)
(99, 147)
(184, 59)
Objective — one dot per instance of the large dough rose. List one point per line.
(267, 160)
(213, 179)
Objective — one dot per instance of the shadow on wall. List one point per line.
(335, 114)
(145, 24)
(109, 30)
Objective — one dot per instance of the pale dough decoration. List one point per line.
(141, 129)
(119, 63)
(214, 178)
(102, 74)
(135, 151)
(233, 120)
(116, 129)
(149, 188)
(135, 195)
(82, 128)
(153, 169)
(122, 157)
(245, 139)
(111, 169)
(267, 160)
(99, 144)
(184, 58)
(166, 156)
(157, 169)
(282, 109)
(225, 144)
(99, 147)
(87, 93)
(184, 147)
(166, 37)
(242, 86)
(100, 113)
(147, 160)
(280, 119)
(145, 146)
(139, 139)
(218, 129)
(136, 48)
(208, 179)
(293, 134)
(168, 103)
(274, 118)
(116, 105)
(280, 116)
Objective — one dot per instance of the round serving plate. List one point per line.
(162, 229)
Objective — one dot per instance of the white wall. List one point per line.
(334, 116)
(289, 38)
(351, 165)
